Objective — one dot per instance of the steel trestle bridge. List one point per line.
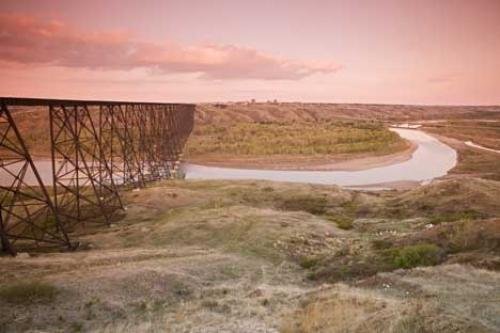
(96, 148)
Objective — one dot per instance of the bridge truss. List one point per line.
(95, 148)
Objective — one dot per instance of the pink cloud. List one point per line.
(28, 40)
(443, 78)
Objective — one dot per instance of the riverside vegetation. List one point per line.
(304, 139)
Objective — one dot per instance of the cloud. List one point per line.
(443, 78)
(28, 40)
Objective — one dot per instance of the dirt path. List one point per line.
(474, 145)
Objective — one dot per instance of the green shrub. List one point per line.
(468, 214)
(28, 292)
(343, 222)
(381, 244)
(76, 327)
(414, 255)
(346, 270)
(308, 262)
(268, 189)
(316, 205)
(318, 138)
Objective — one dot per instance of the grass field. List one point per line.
(305, 139)
(472, 161)
(324, 112)
(223, 256)
(484, 133)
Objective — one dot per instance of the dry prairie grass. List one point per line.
(222, 256)
(317, 112)
(403, 301)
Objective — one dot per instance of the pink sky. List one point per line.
(372, 51)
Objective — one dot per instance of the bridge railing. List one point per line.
(62, 162)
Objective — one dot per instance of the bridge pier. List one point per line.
(97, 148)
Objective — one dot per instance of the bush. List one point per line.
(472, 235)
(343, 222)
(28, 292)
(316, 205)
(268, 189)
(315, 138)
(414, 255)
(456, 216)
(381, 244)
(348, 269)
(308, 262)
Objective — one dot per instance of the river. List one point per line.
(431, 159)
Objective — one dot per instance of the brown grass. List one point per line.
(238, 257)
(28, 292)
(307, 112)
(472, 161)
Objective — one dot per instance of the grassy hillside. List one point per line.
(485, 133)
(471, 161)
(221, 256)
(318, 112)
